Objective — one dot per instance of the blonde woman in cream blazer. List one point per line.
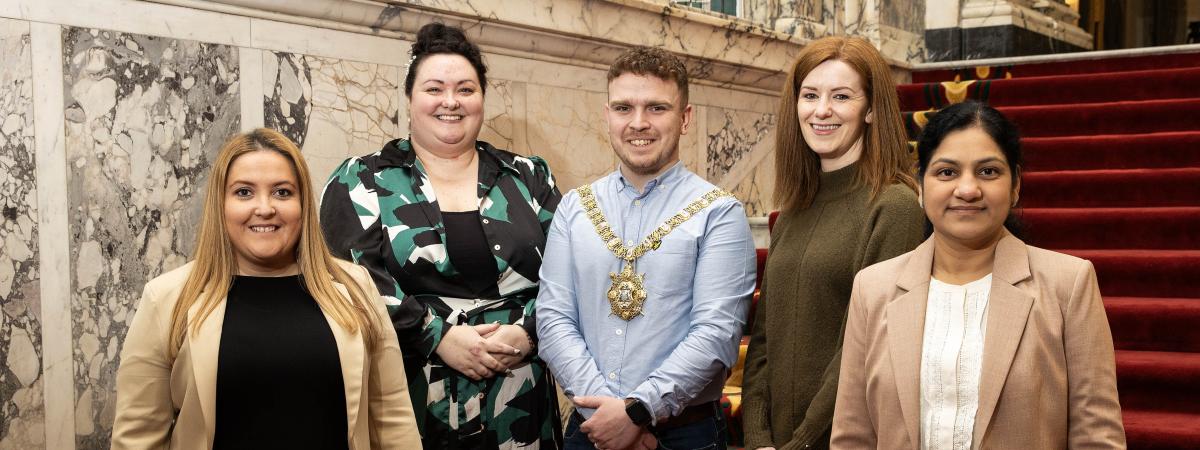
(1023, 361)
(153, 390)
(294, 330)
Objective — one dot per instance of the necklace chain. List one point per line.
(652, 241)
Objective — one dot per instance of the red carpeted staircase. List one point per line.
(1113, 175)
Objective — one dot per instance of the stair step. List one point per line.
(1112, 188)
(1112, 151)
(1160, 381)
(1156, 430)
(1113, 228)
(1099, 65)
(1154, 324)
(1145, 273)
(1147, 116)
(1061, 89)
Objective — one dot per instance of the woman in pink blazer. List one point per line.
(976, 340)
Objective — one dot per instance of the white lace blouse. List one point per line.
(951, 359)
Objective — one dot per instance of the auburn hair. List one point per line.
(215, 266)
(884, 159)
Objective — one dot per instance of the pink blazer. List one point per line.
(1048, 379)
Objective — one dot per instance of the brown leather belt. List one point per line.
(688, 416)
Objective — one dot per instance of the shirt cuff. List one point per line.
(658, 409)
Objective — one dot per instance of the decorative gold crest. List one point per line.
(627, 293)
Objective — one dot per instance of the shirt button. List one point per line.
(629, 243)
(619, 332)
(612, 375)
(496, 247)
(637, 203)
(485, 221)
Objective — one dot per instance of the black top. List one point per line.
(467, 247)
(279, 379)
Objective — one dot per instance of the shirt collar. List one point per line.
(670, 176)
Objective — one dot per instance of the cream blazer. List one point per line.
(170, 403)
(1048, 379)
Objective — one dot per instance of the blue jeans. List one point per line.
(705, 434)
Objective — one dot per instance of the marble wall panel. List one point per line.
(756, 190)
(732, 136)
(761, 12)
(807, 9)
(331, 108)
(145, 116)
(692, 145)
(22, 414)
(568, 129)
(907, 15)
(504, 116)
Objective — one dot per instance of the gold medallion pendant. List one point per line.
(627, 293)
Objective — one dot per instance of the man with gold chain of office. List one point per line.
(646, 278)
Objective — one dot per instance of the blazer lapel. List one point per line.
(205, 346)
(905, 328)
(351, 353)
(1008, 311)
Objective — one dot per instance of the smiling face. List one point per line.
(262, 212)
(833, 111)
(646, 116)
(446, 104)
(968, 189)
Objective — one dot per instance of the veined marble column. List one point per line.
(803, 18)
(1000, 28)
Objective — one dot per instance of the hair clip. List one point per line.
(408, 67)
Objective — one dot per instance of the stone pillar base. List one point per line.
(1003, 28)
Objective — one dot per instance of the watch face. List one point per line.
(638, 413)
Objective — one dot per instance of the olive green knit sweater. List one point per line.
(792, 364)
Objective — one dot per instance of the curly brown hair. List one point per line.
(642, 60)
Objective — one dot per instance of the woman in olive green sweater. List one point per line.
(847, 201)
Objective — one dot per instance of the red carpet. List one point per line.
(1113, 176)
(1070, 89)
(1113, 151)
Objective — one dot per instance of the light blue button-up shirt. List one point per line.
(699, 281)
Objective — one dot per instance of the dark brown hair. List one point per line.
(642, 60)
(436, 39)
(884, 159)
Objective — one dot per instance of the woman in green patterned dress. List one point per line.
(452, 230)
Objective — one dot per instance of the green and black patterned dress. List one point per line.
(380, 211)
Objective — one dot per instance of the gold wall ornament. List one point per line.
(982, 72)
(627, 294)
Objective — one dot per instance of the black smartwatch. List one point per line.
(638, 412)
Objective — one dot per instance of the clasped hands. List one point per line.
(610, 428)
(482, 351)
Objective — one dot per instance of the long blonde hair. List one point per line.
(214, 265)
(884, 159)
